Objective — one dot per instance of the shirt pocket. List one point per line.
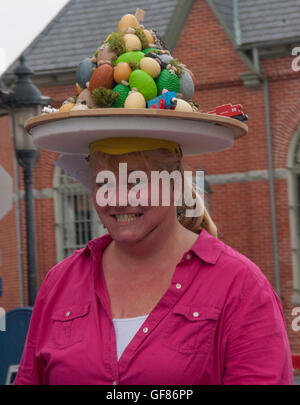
(69, 325)
(191, 329)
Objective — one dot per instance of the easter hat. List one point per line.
(132, 95)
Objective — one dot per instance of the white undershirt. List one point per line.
(125, 329)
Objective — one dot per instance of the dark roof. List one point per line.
(81, 26)
(259, 21)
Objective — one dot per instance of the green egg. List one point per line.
(154, 50)
(144, 83)
(123, 90)
(169, 81)
(130, 56)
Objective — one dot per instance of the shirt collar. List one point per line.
(207, 247)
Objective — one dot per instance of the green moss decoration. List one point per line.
(104, 97)
(113, 61)
(139, 32)
(134, 65)
(176, 63)
(116, 43)
(96, 53)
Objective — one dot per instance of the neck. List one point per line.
(163, 241)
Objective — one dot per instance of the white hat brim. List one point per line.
(71, 133)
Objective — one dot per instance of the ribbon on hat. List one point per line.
(120, 146)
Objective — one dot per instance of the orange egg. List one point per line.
(122, 72)
(149, 36)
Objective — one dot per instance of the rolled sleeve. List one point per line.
(257, 347)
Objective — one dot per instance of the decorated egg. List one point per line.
(183, 105)
(166, 59)
(132, 43)
(144, 83)
(66, 107)
(192, 75)
(105, 55)
(84, 72)
(187, 87)
(150, 66)
(154, 50)
(136, 56)
(135, 100)
(85, 97)
(123, 91)
(169, 81)
(103, 76)
(127, 21)
(149, 36)
(79, 107)
(122, 72)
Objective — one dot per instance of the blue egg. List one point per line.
(187, 87)
(84, 72)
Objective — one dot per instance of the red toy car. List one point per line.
(229, 110)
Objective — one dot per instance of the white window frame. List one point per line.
(67, 190)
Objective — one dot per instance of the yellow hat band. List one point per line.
(120, 146)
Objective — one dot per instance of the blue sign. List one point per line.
(12, 342)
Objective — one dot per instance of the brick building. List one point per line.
(239, 52)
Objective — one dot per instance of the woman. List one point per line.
(159, 299)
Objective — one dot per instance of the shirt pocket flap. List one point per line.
(194, 313)
(70, 312)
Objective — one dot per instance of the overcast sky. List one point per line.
(20, 22)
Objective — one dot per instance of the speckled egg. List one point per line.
(127, 21)
(150, 66)
(123, 90)
(144, 83)
(169, 81)
(136, 56)
(132, 43)
(135, 100)
(103, 76)
(122, 72)
(183, 105)
(66, 107)
(84, 72)
(187, 87)
(85, 97)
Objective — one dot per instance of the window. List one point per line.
(294, 207)
(76, 220)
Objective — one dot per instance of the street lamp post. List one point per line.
(22, 102)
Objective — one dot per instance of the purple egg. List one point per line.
(84, 72)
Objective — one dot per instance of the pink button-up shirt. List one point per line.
(220, 322)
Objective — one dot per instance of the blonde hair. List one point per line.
(161, 159)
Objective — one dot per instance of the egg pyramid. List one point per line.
(132, 68)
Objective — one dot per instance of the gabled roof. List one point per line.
(257, 22)
(77, 31)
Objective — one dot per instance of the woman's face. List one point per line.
(126, 222)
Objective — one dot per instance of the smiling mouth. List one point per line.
(127, 217)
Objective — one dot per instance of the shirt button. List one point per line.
(188, 256)
(145, 330)
(115, 383)
(178, 286)
(195, 314)
(68, 313)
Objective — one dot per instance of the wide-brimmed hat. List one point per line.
(72, 133)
